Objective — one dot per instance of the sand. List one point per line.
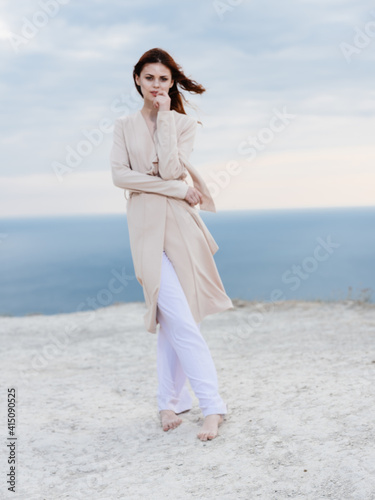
(298, 379)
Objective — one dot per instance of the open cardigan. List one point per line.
(154, 171)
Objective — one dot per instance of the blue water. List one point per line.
(64, 264)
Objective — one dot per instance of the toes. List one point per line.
(166, 426)
(171, 425)
(202, 436)
(169, 420)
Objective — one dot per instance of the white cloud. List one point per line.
(284, 179)
(81, 193)
(260, 56)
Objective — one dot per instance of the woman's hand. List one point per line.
(162, 101)
(193, 196)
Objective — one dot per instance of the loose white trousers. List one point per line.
(182, 352)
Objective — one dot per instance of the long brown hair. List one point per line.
(179, 78)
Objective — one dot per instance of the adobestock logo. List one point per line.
(278, 123)
(251, 147)
(93, 138)
(222, 7)
(310, 264)
(59, 341)
(294, 277)
(74, 157)
(361, 40)
(31, 27)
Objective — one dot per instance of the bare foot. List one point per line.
(169, 420)
(209, 429)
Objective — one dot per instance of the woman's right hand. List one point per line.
(193, 196)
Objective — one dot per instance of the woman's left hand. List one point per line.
(162, 101)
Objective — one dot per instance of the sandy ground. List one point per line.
(298, 379)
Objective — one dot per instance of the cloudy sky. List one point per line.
(289, 112)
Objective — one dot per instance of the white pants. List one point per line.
(182, 352)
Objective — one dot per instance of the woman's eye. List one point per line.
(150, 78)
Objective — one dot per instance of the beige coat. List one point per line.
(154, 171)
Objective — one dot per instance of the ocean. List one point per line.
(51, 265)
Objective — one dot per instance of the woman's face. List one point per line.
(153, 78)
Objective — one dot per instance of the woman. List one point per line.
(171, 247)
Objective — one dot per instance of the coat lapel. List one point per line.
(208, 203)
(142, 125)
(141, 118)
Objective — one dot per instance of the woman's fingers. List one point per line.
(200, 197)
(194, 196)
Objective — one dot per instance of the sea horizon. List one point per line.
(54, 264)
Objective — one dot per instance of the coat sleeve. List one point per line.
(170, 146)
(124, 177)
